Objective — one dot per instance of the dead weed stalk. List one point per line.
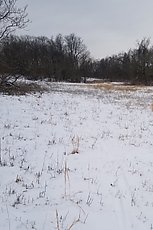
(76, 144)
(66, 178)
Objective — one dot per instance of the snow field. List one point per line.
(77, 158)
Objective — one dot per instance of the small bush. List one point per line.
(21, 88)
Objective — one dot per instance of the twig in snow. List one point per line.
(57, 220)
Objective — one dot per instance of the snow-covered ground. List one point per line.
(77, 158)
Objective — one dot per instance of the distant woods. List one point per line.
(66, 58)
(134, 66)
(63, 58)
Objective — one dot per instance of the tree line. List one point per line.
(64, 58)
(134, 66)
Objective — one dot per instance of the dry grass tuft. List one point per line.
(116, 87)
(104, 86)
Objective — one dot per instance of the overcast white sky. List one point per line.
(106, 26)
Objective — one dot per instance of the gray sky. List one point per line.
(106, 26)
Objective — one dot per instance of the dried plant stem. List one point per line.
(74, 222)
(57, 220)
(8, 216)
(66, 177)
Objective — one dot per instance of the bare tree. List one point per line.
(11, 17)
(76, 48)
(77, 53)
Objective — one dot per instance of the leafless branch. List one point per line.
(11, 17)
